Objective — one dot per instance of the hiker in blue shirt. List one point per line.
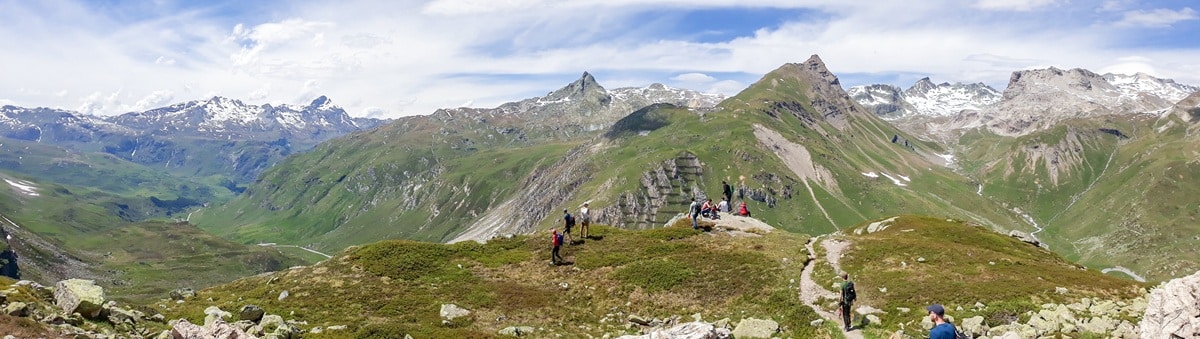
(941, 328)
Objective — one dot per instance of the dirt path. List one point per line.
(810, 291)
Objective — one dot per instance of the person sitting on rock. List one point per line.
(723, 206)
(707, 209)
(743, 211)
(941, 328)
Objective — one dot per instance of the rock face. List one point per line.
(1038, 99)
(1173, 310)
(924, 99)
(755, 328)
(251, 313)
(78, 295)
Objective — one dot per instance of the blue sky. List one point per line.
(395, 58)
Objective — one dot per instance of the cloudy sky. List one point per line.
(396, 58)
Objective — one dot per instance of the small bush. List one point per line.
(401, 259)
(654, 275)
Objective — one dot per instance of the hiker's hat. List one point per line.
(936, 309)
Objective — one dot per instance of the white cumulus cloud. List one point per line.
(1159, 17)
(154, 100)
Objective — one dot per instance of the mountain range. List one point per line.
(218, 136)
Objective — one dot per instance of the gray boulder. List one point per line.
(692, 330)
(756, 328)
(517, 331)
(183, 294)
(274, 326)
(449, 312)
(1024, 237)
(251, 313)
(213, 314)
(220, 330)
(117, 315)
(79, 296)
(974, 326)
(1173, 309)
(16, 309)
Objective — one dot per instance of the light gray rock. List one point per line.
(16, 309)
(691, 330)
(283, 295)
(1060, 290)
(1099, 325)
(212, 314)
(450, 312)
(637, 319)
(1106, 308)
(79, 296)
(251, 313)
(183, 294)
(336, 328)
(926, 324)
(973, 326)
(1173, 309)
(517, 331)
(756, 328)
(274, 326)
(1008, 335)
(220, 330)
(903, 309)
(873, 319)
(117, 315)
(816, 323)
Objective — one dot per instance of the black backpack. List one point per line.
(848, 291)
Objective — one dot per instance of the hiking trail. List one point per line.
(810, 291)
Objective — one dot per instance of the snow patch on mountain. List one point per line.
(947, 99)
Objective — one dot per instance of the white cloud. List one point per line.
(726, 87)
(154, 100)
(694, 78)
(404, 58)
(1013, 5)
(1160, 17)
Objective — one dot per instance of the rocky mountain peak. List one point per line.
(921, 87)
(584, 88)
(321, 102)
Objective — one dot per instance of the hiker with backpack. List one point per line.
(941, 328)
(556, 240)
(847, 300)
(726, 190)
(569, 222)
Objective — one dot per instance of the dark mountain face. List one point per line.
(218, 136)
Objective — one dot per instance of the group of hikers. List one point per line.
(557, 239)
(711, 211)
(942, 329)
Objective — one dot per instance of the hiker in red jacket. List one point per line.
(557, 240)
(743, 211)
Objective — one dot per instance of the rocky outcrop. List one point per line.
(692, 330)
(665, 192)
(1173, 310)
(186, 330)
(1041, 98)
(78, 295)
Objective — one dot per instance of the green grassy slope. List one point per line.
(965, 264)
(427, 179)
(1116, 202)
(70, 232)
(395, 287)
